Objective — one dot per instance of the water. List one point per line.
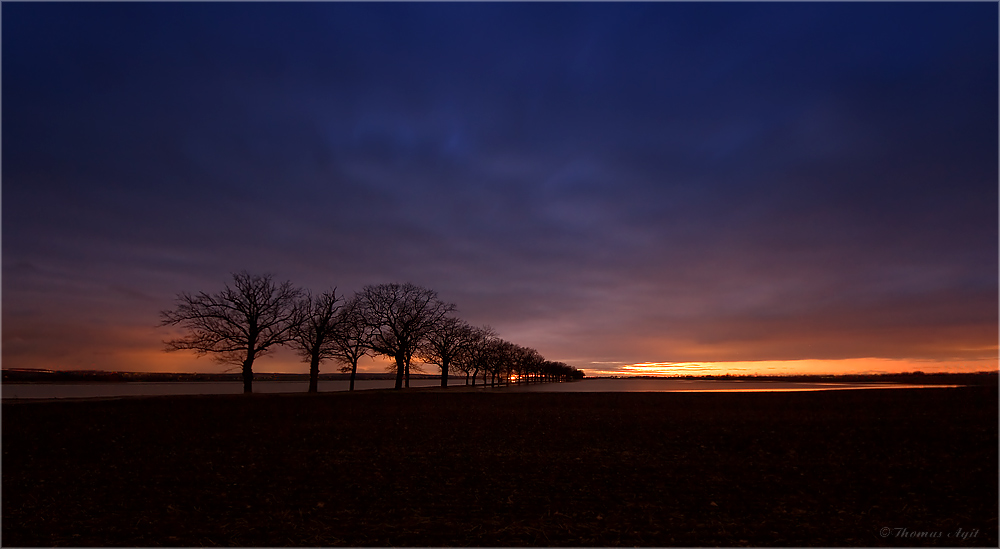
(92, 390)
(634, 385)
(144, 388)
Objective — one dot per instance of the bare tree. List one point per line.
(500, 358)
(400, 317)
(313, 336)
(238, 324)
(444, 343)
(560, 371)
(527, 360)
(351, 338)
(556, 371)
(472, 359)
(463, 361)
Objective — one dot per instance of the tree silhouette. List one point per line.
(400, 316)
(523, 361)
(313, 335)
(472, 359)
(238, 324)
(557, 371)
(444, 343)
(351, 338)
(495, 359)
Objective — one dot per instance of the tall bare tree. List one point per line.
(444, 343)
(239, 324)
(351, 339)
(313, 336)
(400, 317)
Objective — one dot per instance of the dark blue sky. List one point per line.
(608, 183)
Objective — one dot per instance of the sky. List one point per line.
(628, 188)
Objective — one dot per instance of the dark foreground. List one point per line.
(868, 467)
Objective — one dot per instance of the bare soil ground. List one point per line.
(432, 468)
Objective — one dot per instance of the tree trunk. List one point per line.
(354, 371)
(314, 373)
(248, 375)
(407, 377)
(444, 373)
(399, 372)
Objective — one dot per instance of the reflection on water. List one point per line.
(705, 386)
(92, 390)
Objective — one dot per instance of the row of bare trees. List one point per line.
(399, 321)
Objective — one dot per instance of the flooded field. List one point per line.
(145, 388)
(645, 385)
(104, 390)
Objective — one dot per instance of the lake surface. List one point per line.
(705, 386)
(144, 388)
(94, 390)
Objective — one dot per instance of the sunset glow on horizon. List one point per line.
(860, 366)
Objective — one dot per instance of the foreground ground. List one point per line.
(867, 467)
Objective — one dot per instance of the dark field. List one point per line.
(463, 468)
